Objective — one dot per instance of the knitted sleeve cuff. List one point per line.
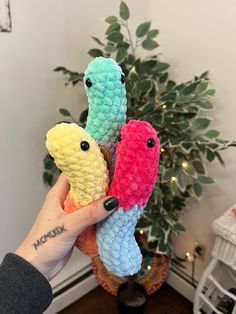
(23, 289)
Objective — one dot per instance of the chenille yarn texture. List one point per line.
(105, 87)
(136, 173)
(77, 154)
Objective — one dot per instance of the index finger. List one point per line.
(61, 188)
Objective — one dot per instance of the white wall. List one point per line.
(45, 34)
(196, 36)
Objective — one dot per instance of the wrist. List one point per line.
(32, 259)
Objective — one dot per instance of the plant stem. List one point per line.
(130, 38)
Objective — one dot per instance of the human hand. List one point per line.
(49, 244)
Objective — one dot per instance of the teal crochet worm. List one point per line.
(105, 87)
(136, 173)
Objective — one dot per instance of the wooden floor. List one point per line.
(164, 301)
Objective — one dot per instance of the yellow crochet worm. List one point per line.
(78, 155)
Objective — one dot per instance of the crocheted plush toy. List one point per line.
(105, 88)
(77, 154)
(136, 173)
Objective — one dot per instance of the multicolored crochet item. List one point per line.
(78, 155)
(136, 173)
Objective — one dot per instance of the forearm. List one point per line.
(23, 289)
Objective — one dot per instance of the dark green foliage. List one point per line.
(176, 110)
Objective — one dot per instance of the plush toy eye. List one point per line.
(150, 142)
(122, 78)
(84, 145)
(119, 138)
(88, 82)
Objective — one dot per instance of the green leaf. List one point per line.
(144, 86)
(64, 112)
(201, 123)
(168, 174)
(163, 78)
(115, 37)
(121, 54)
(190, 88)
(142, 29)
(97, 40)
(143, 223)
(205, 180)
(147, 108)
(210, 155)
(113, 28)
(218, 156)
(49, 164)
(162, 247)
(198, 166)
(110, 47)
(204, 75)
(197, 189)
(133, 76)
(182, 181)
(83, 116)
(161, 67)
(47, 178)
(210, 92)
(124, 11)
(179, 227)
(212, 134)
(189, 170)
(111, 19)
(147, 66)
(60, 69)
(201, 87)
(205, 104)
(95, 53)
(149, 44)
(153, 33)
(173, 187)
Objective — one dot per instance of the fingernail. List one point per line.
(111, 203)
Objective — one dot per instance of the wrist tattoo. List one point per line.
(51, 234)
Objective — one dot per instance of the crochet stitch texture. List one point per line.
(136, 173)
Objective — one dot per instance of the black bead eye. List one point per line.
(84, 145)
(150, 142)
(122, 78)
(88, 82)
(119, 138)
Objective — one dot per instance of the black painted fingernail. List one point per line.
(111, 203)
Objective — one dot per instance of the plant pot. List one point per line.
(132, 298)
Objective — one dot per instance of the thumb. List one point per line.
(92, 213)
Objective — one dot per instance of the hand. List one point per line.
(50, 242)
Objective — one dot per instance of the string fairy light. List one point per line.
(173, 179)
(185, 164)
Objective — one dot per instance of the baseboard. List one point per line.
(76, 287)
(181, 285)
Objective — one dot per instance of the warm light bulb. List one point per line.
(149, 267)
(189, 257)
(185, 164)
(141, 231)
(173, 179)
(162, 150)
(164, 106)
